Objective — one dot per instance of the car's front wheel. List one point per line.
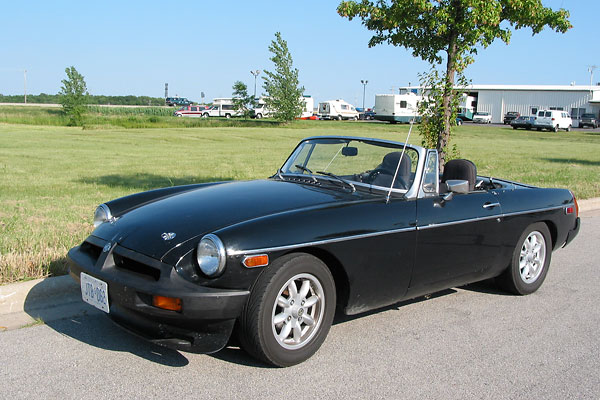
(289, 312)
(530, 261)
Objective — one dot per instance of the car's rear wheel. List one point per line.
(289, 312)
(556, 128)
(514, 127)
(339, 117)
(568, 128)
(227, 116)
(258, 116)
(530, 261)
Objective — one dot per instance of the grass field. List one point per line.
(52, 178)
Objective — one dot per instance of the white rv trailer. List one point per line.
(397, 107)
(261, 110)
(337, 109)
(467, 107)
(309, 105)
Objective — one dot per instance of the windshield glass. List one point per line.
(363, 163)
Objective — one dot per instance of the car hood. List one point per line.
(194, 213)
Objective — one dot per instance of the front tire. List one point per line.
(289, 311)
(530, 261)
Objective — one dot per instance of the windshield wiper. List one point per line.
(303, 168)
(338, 178)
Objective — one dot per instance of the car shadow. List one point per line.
(71, 317)
(572, 161)
(146, 181)
(341, 318)
(488, 286)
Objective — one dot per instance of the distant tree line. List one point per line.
(44, 98)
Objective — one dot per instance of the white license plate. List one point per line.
(94, 292)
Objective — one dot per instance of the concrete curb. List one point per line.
(51, 299)
(47, 299)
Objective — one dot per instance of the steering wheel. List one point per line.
(400, 184)
(376, 172)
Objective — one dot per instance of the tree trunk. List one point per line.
(444, 135)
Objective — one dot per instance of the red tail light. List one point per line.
(569, 210)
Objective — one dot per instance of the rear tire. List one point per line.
(568, 128)
(530, 261)
(556, 128)
(227, 116)
(289, 311)
(339, 117)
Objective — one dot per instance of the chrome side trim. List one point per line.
(460, 221)
(231, 252)
(464, 221)
(536, 210)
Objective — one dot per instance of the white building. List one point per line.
(528, 99)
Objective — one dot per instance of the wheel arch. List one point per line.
(340, 278)
(553, 232)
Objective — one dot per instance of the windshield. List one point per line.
(362, 163)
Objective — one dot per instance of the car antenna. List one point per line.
(387, 198)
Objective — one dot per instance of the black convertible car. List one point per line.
(347, 223)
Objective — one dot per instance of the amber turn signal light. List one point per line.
(260, 260)
(167, 303)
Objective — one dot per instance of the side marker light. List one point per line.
(261, 260)
(167, 303)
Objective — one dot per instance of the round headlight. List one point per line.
(101, 215)
(211, 255)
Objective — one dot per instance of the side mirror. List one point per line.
(458, 186)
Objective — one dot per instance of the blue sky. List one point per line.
(135, 47)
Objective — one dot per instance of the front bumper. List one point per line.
(208, 315)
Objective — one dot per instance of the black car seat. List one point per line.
(384, 172)
(460, 169)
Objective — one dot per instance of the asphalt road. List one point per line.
(474, 342)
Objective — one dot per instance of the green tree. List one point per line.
(450, 31)
(242, 102)
(282, 86)
(73, 96)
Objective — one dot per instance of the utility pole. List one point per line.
(364, 83)
(591, 69)
(25, 84)
(255, 73)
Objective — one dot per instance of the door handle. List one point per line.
(491, 205)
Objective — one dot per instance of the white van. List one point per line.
(220, 110)
(337, 109)
(553, 120)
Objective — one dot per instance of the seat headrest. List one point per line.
(390, 162)
(461, 169)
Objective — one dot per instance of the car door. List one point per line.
(458, 240)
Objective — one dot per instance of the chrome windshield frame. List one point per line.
(410, 193)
